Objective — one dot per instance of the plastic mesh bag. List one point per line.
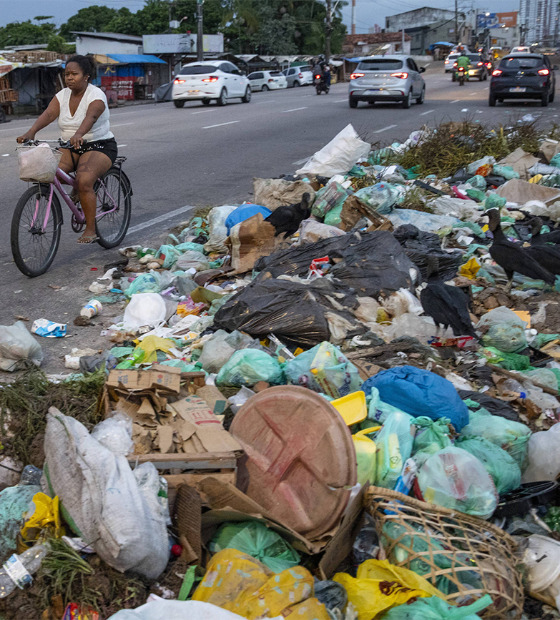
(502, 468)
(503, 329)
(506, 434)
(258, 541)
(457, 480)
(38, 163)
(394, 446)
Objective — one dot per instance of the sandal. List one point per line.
(88, 239)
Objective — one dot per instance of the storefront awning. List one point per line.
(137, 59)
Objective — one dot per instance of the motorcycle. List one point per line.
(321, 85)
(460, 75)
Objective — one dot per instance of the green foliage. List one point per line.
(26, 33)
(89, 19)
(59, 45)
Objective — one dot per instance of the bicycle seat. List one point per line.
(119, 161)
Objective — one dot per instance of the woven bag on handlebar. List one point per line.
(462, 556)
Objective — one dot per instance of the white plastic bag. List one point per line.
(38, 163)
(503, 329)
(160, 609)
(17, 344)
(338, 156)
(543, 455)
(102, 499)
(144, 309)
(115, 434)
(218, 231)
(312, 231)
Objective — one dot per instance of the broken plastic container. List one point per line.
(352, 407)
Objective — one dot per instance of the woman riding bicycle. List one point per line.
(83, 115)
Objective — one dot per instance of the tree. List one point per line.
(89, 19)
(26, 33)
(58, 44)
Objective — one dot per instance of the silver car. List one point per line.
(299, 76)
(387, 78)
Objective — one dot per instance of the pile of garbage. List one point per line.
(340, 400)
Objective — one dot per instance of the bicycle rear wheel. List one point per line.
(113, 188)
(34, 244)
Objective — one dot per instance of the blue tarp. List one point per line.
(137, 59)
(244, 212)
(442, 43)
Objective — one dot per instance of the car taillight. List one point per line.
(497, 72)
(178, 81)
(489, 65)
(317, 77)
(480, 64)
(271, 80)
(543, 71)
(300, 75)
(355, 76)
(454, 64)
(400, 74)
(212, 78)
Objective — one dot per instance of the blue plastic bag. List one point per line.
(420, 393)
(244, 212)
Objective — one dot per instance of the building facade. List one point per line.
(538, 21)
(417, 18)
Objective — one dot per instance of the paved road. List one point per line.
(209, 155)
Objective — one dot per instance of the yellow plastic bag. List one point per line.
(241, 584)
(45, 516)
(151, 344)
(470, 269)
(380, 585)
(365, 454)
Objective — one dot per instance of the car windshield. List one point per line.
(520, 62)
(381, 64)
(198, 70)
(275, 73)
(474, 57)
(453, 57)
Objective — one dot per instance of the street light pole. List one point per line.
(200, 31)
(329, 31)
(457, 23)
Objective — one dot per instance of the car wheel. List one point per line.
(296, 83)
(2, 116)
(551, 98)
(481, 77)
(206, 102)
(223, 99)
(544, 100)
(407, 101)
(247, 96)
(179, 103)
(264, 88)
(420, 99)
(371, 102)
(492, 101)
(352, 102)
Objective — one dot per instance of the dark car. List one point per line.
(523, 76)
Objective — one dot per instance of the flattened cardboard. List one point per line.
(217, 441)
(165, 439)
(213, 398)
(194, 409)
(136, 380)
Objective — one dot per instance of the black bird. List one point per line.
(546, 255)
(447, 305)
(539, 239)
(511, 257)
(287, 219)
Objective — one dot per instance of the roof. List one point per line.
(137, 59)
(422, 8)
(375, 37)
(113, 36)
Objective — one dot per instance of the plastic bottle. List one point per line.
(91, 309)
(513, 386)
(31, 475)
(20, 568)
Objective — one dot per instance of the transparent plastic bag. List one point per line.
(457, 480)
(543, 456)
(218, 231)
(382, 196)
(502, 468)
(431, 435)
(115, 434)
(394, 446)
(503, 329)
(249, 366)
(330, 197)
(17, 344)
(192, 259)
(38, 163)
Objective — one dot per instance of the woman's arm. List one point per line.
(94, 111)
(46, 118)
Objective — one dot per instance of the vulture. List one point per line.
(287, 219)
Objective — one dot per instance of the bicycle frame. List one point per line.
(63, 177)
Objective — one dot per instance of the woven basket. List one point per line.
(460, 555)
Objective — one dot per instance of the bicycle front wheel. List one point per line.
(114, 206)
(34, 237)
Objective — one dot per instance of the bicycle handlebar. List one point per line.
(63, 144)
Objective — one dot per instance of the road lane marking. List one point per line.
(158, 220)
(220, 125)
(6, 155)
(122, 113)
(428, 112)
(122, 124)
(456, 101)
(294, 110)
(203, 112)
(340, 100)
(120, 146)
(385, 129)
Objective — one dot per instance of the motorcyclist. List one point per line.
(463, 61)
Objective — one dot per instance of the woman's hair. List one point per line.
(85, 64)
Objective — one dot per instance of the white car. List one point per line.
(299, 76)
(210, 80)
(267, 80)
(450, 62)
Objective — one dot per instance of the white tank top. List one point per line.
(69, 124)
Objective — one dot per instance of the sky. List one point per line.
(368, 12)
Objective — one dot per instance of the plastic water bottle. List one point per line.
(18, 569)
(91, 309)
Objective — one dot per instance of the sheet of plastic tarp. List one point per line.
(371, 263)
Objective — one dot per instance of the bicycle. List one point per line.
(38, 215)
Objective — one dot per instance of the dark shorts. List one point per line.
(107, 147)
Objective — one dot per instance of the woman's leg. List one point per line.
(91, 166)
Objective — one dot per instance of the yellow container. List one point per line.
(352, 407)
(365, 455)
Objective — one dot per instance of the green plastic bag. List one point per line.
(394, 446)
(258, 541)
(431, 436)
(476, 194)
(14, 502)
(169, 254)
(434, 608)
(502, 468)
(513, 437)
(505, 171)
(493, 201)
(249, 366)
(507, 361)
(378, 411)
(478, 182)
(329, 197)
(190, 246)
(333, 217)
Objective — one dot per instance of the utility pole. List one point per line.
(200, 35)
(328, 31)
(353, 17)
(402, 41)
(456, 23)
